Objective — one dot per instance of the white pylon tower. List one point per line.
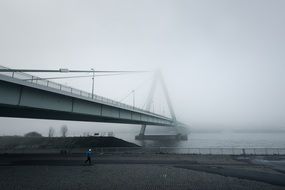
(158, 78)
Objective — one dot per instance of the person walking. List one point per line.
(88, 155)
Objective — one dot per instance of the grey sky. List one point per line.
(223, 60)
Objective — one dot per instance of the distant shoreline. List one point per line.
(236, 131)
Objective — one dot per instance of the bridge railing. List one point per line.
(43, 82)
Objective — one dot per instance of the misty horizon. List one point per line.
(222, 61)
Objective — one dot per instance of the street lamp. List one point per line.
(133, 98)
(93, 82)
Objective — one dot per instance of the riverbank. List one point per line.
(32, 143)
(137, 171)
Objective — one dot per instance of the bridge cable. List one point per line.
(82, 76)
(67, 71)
(138, 87)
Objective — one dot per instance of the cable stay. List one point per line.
(67, 71)
(81, 76)
(132, 91)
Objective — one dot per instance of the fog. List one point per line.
(223, 61)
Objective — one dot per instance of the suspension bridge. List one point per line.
(23, 95)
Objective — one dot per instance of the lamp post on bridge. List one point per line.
(134, 100)
(93, 82)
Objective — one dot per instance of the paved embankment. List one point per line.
(135, 171)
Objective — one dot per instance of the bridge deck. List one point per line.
(22, 94)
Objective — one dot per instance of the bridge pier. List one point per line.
(142, 131)
(178, 136)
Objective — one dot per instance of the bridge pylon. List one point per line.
(158, 78)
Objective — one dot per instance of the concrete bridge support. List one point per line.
(159, 78)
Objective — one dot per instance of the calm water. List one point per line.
(217, 140)
(224, 139)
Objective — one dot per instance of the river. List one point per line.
(216, 140)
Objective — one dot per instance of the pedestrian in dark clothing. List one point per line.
(88, 155)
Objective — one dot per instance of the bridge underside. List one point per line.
(35, 113)
(23, 100)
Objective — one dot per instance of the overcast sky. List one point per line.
(223, 60)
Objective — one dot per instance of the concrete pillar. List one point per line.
(142, 130)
